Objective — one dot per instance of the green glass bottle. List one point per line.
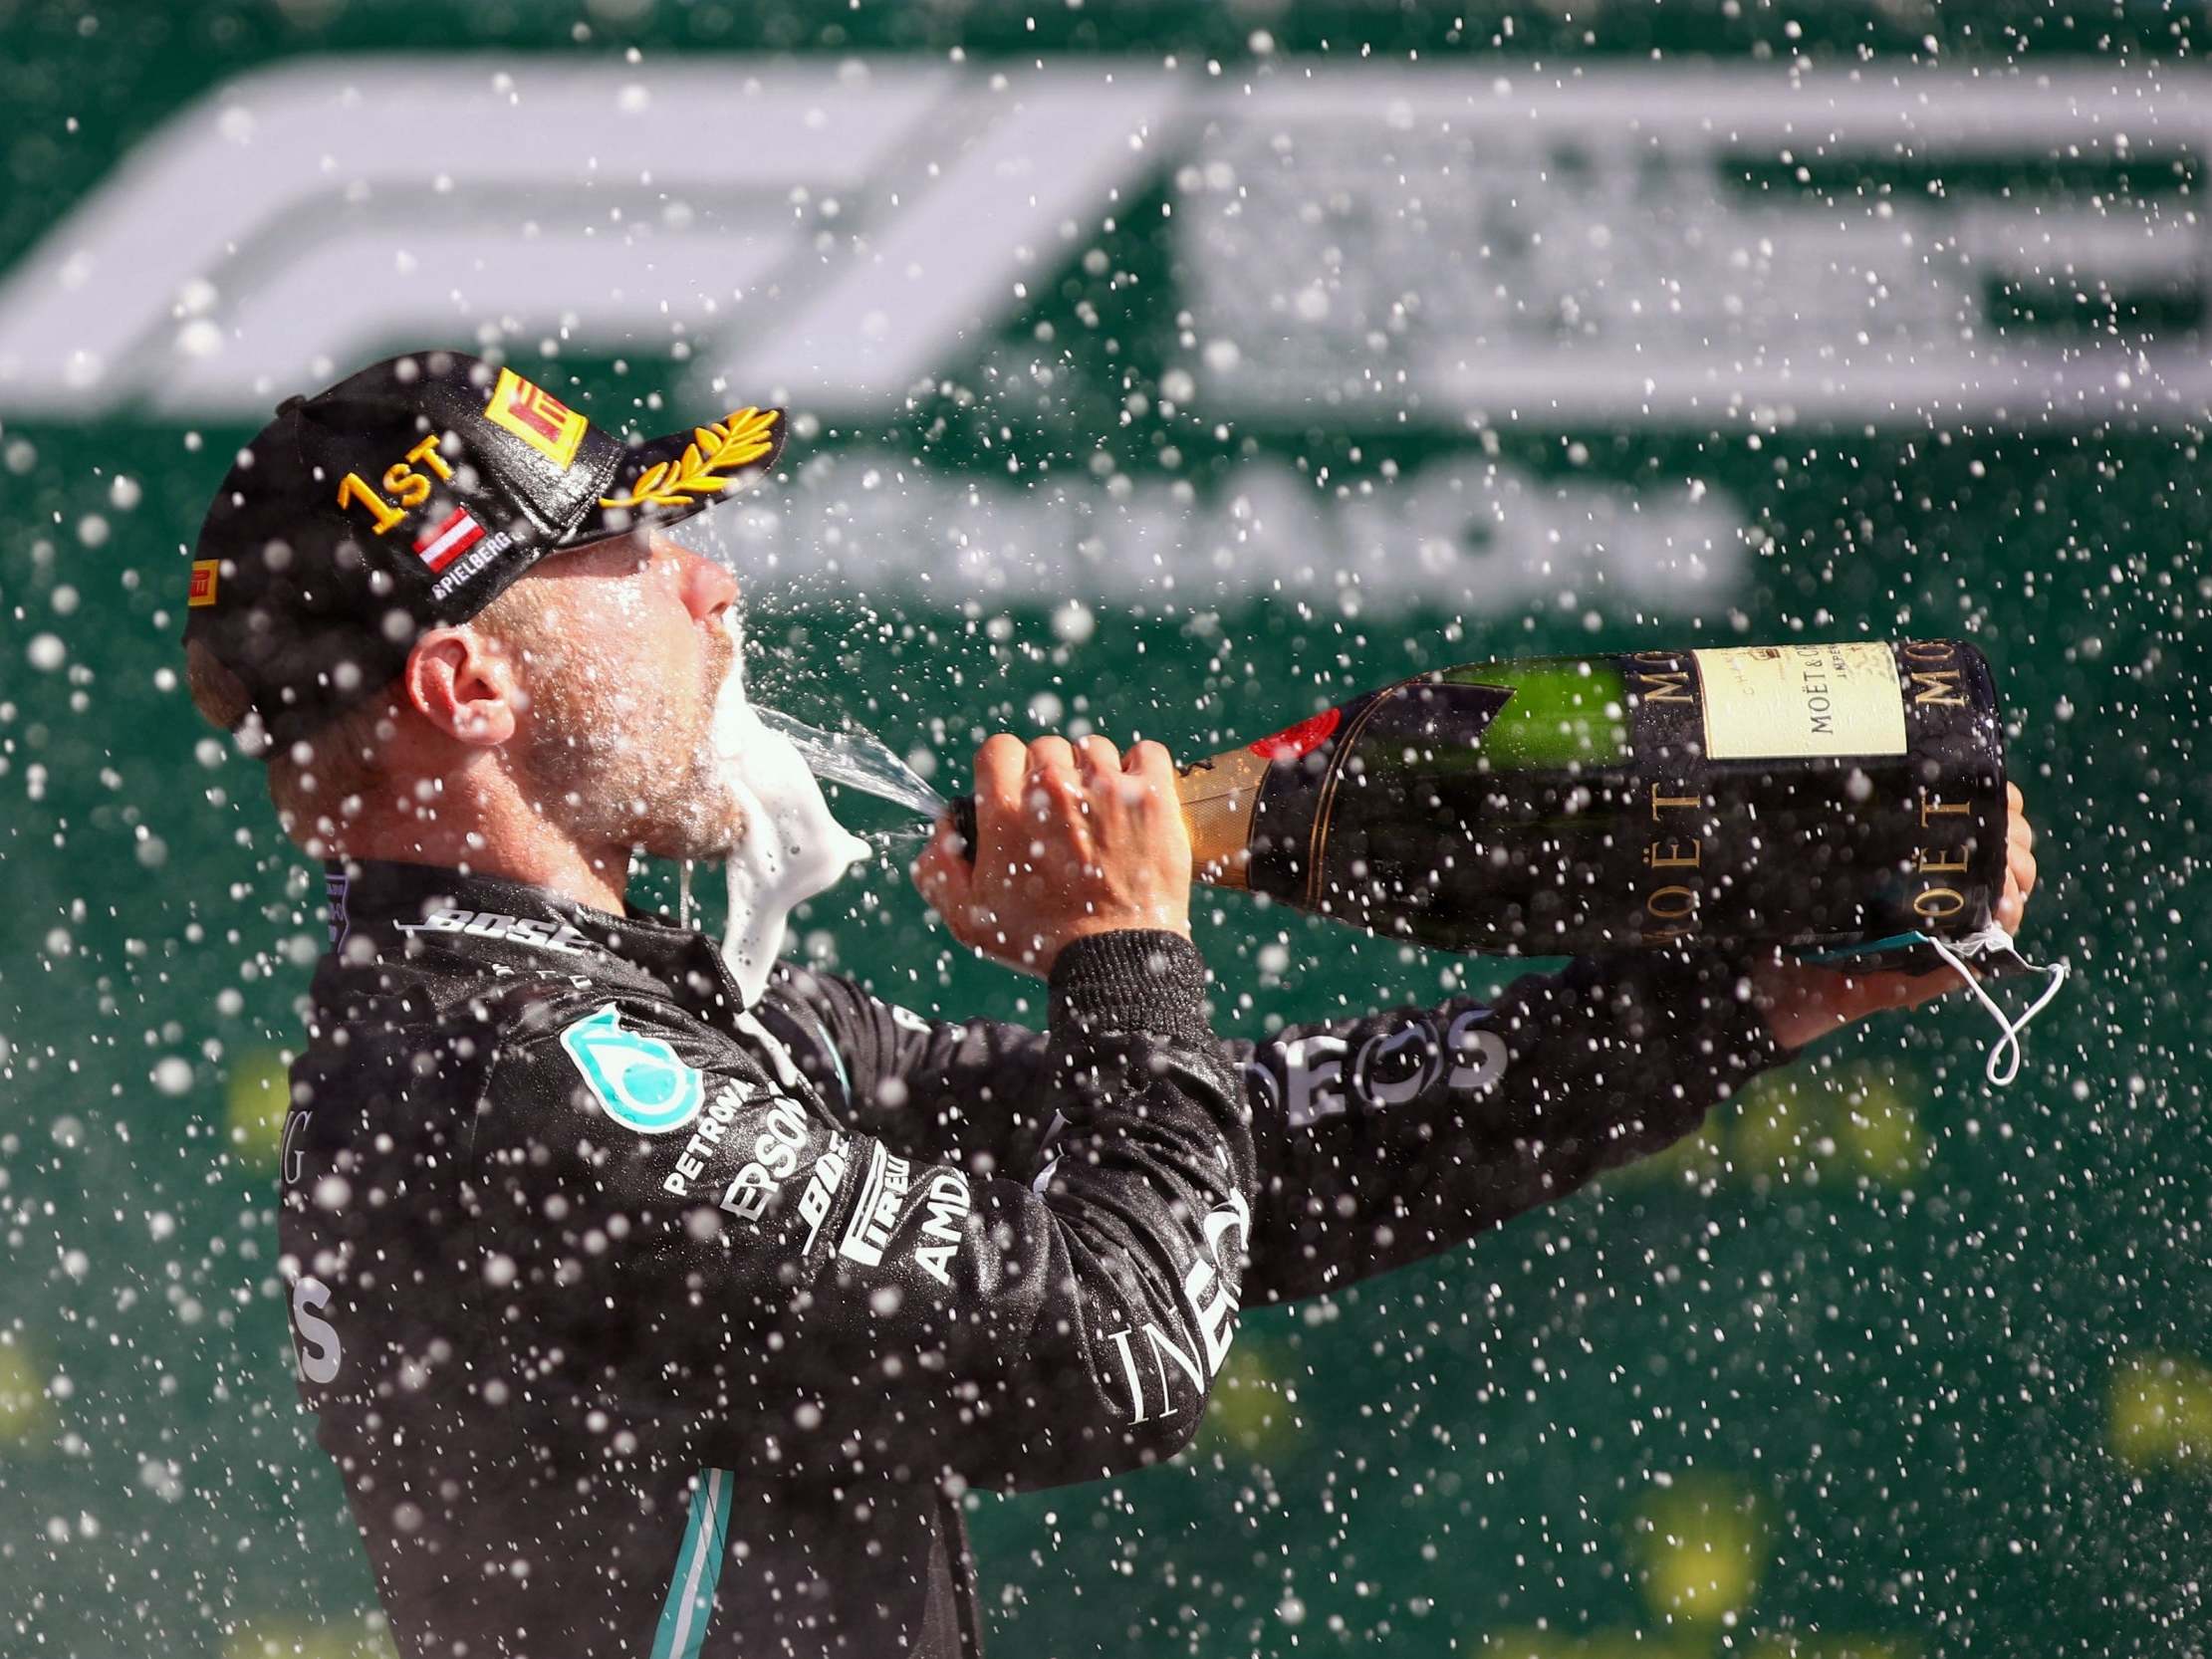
(1804, 794)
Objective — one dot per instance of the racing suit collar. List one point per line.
(401, 908)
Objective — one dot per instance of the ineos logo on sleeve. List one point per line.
(315, 1337)
(1213, 1308)
(293, 1159)
(1260, 1090)
(1396, 1067)
(1391, 1069)
(1212, 1302)
(1477, 1055)
(1313, 1066)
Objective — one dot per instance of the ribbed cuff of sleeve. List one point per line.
(1141, 981)
(1698, 1011)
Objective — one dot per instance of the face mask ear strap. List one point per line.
(1994, 938)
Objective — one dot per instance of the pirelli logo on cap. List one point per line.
(536, 416)
(205, 573)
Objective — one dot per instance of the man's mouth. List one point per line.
(721, 663)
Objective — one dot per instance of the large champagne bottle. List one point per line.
(1804, 795)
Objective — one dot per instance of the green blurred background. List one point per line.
(1887, 1362)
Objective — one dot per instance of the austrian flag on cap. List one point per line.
(410, 496)
(446, 542)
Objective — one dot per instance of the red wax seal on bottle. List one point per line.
(1301, 739)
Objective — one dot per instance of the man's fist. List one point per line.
(2020, 862)
(1071, 840)
(1802, 1002)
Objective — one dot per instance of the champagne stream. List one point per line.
(857, 760)
(860, 760)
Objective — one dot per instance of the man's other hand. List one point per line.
(1802, 1002)
(1071, 840)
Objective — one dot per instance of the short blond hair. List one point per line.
(320, 783)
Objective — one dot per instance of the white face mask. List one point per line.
(789, 848)
(1991, 940)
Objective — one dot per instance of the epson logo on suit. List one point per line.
(774, 1158)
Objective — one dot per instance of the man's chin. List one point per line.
(701, 834)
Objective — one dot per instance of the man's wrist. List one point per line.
(1095, 927)
(1698, 995)
(1151, 980)
(1782, 1005)
(1805, 1003)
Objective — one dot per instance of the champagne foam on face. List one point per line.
(788, 846)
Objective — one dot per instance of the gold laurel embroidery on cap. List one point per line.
(717, 449)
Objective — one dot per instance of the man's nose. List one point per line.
(708, 590)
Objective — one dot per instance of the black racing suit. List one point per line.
(643, 1323)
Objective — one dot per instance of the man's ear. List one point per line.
(464, 685)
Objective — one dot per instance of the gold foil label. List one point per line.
(1219, 796)
(1801, 702)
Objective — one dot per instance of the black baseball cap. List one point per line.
(412, 495)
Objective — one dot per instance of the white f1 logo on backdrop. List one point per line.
(831, 228)
(837, 233)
